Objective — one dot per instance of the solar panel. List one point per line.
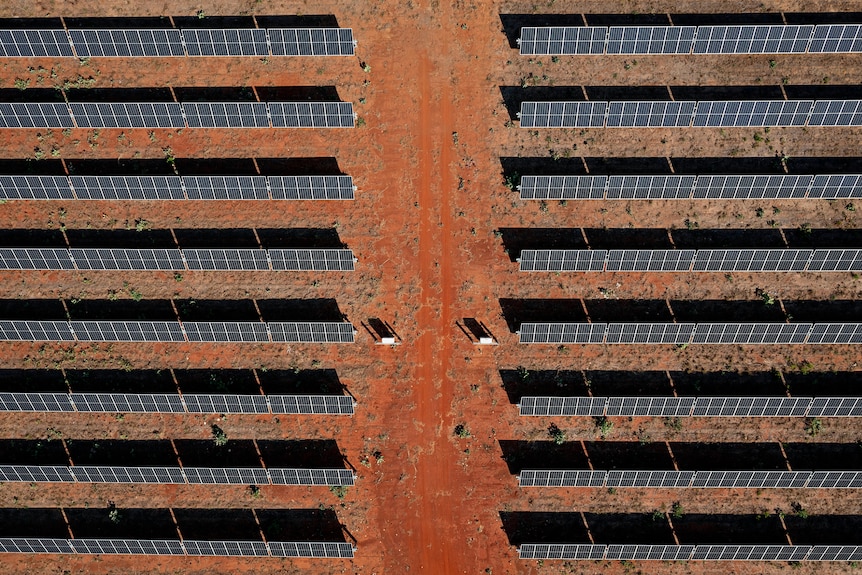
(284, 476)
(225, 42)
(650, 260)
(650, 39)
(35, 188)
(127, 402)
(832, 38)
(757, 39)
(35, 259)
(310, 549)
(127, 187)
(127, 115)
(836, 113)
(101, 43)
(843, 260)
(562, 260)
(226, 331)
(59, 402)
(561, 551)
(311, 187)
(561, 478)
(562, 40)
(649, 406)
(835, 407)
(34, 545)
(650, 333)
(30, 43)
(836, 186)
(312, 260)
(226, 114)
(562, 332)
(562, 406)
(226, 187)
(311, 404)
(35, 331)
(784, 260)
(749, 113)
(312, 332)
(35, 115)
(311, 114)
(649, 114)
(127, 259)
(311, 41)
(650, 187)
(127, 330)
(226, 259)
(752, 187)
(562, 187)
(563, 114)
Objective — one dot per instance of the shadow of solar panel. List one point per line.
(562, 114)
(225, 115)
(836, 113)
(311, 187)
(311, 114)
(312, 260)
(311, 41)
(127, 187)
(112, 43)
(836, 186)
(649, 114)
(35, 115)
(575, 40)
(226, 187)
(35, 188)
(650, 39)
(225, 42)
(833, 38)
(560, 551)
(562, 187)
(30, 43)
(650, 187)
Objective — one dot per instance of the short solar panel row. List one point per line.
(172, 331)
(793, 553)
(175, 403)
(174, 259)
(175, 547)
(731, 187)
(173, 42)
(691, 333)
(175, 475)
(686, 114)
(733, 260)
(177, 115)
(691, 479)
(744, 39)
(691, 406)
(176, 188)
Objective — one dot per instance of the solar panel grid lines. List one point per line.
(649, 114)
(187, 547)
(311, 114)
(563, 40)
(650, 39)
(835, 38)
(753, 39)
(225, 42)
(784, 553)
(311, 41)
(127, 43)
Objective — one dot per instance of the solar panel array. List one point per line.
(692, 333)
(176, 188)
(175, 403)
(745, 39)
(691, 406)
(177, 115)
(691, 552)
(686, 479)
(175, 475)
(729, 187)
(175, 547)
(174, 259)
(172, 331)
(733, 260)
(686, 114)
(98, 43)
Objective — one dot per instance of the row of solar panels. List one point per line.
(687, 114)
(173, 259)
(685, 479)
(688, 333)
(176, 188)
(175, 403)
(690, 552)
(177, 115)
(746, 39)
(183, 42)
(735, 187)
(691, 406)
(175, 475)
(173, 331)
(735, 260)
(175, 547)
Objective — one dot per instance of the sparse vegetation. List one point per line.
(219, 436)
(557, 434)
(462, 431)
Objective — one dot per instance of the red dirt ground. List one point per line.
(423, 228)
